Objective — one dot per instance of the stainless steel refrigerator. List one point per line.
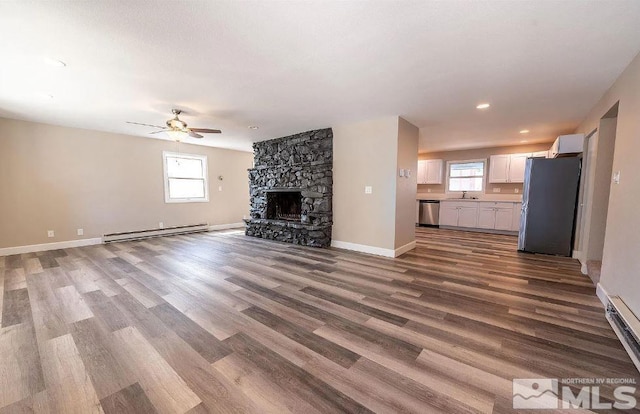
(549, 200)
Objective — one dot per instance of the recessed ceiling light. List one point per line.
(253, 127)
(524, 131)
(483, 106)
(55, 62)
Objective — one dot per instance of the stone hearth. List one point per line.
(286, 168)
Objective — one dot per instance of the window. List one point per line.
(465, 175)
(185, 178)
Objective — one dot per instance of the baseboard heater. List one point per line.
(145, 234)
(626, 325)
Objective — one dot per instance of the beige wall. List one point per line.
(408, 135)
(62, 179)
(621, 262)
(365, 154)
(474, 154)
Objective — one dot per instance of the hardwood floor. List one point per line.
(224, 323)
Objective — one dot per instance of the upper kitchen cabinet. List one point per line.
(430, 171)
(507, 168)
(540, 154)
(567, 144)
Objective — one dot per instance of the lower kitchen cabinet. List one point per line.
(517, 213)
(468, 216)
(488, 215)
(459, 213)
(495, 216)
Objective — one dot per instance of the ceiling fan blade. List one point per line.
(194, 134)
(206, 130)
(149, 125)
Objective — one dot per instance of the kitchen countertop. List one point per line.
(512, 198)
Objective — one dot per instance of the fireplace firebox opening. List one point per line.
(284, 205)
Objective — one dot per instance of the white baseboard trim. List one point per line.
(214, 227)
(602, 295)
(405, 248)
(363, 248)
(6, 251)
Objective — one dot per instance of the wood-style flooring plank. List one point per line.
(20, 369)
(164, 387)
(129, 400)
(69, 387)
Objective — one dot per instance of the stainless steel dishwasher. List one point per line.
(429, 214)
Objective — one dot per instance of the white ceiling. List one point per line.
(293, 66)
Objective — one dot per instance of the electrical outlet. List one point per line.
(368, 189)
(401, 172)
(428, 190)
(616, 177)
(161, 225)
(51, 233)
(516, 190)
(496, 189)
(407, 173)
(80, 232)
(219, 188)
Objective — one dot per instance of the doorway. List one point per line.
(595, 195)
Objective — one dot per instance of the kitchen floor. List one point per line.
(221, 322)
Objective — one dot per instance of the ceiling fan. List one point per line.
(177, 129)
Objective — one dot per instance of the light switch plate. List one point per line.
(616, 177)
(368, 189)
(407, 173)
(161, 225)
(516, 190)
(80, 232)
(401, 172)
(51, 233)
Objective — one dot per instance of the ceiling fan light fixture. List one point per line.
(177, 135)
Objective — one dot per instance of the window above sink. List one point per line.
(467, 176)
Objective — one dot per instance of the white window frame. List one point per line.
(205, 173)
(484, 175)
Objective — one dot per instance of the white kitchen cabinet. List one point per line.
(516, 167)
(486, 218)
(422, 172)
(459, 214)
(540, 154)
(567, 144)
(515, 220)
(468, 216)
(507, 168)
(504, 218)
(499, 168)
(430, 171)
(495, 216)
(448, 214)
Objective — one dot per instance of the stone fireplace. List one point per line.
(291, 187)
